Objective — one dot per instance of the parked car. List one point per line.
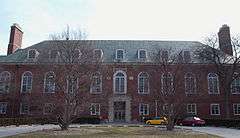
(191, 121)
(157, 121)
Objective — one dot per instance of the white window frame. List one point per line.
(186, 76)
(209, 78)
(193, 108)
(36, 54)
(219, 109)
(125, 82)
(2, 106)
(26, 77)
(139, 75)
(235, 84)
(50, 55)
(143, 108)
(5, 83)
(162, 82)
(46, 84)
(44, 108)
(96, 110)
(116, 54)
(139, 51)
(94, 54)
(238, 107)
(72, 86)
(94, 76)
(21, 106)
(167, 111)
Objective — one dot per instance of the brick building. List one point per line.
(128, 87)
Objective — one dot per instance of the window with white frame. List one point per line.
(187, 56)
(192, 109)
(97, 54)
(77, 54)
(142, 54)
(72, 84)
(235, 86)
(26, 82)
(213, 84)
(165, 56)
(96, 85)
(5, 79)
(120, 82)
(3, 107)
(48, 108)
(120, 54)
(143, 109)
(24, 108)
(236, 109)
(215, 109)
(32, 54)
(54, 54)
(190, 83)
(168, 109)
(167, 83)
(49, 82)
(143, 83)
(95, 109)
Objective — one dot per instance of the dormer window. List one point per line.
(119, 54)
(54, 54)
(165, 56)
(142, 54)
(77, 54)
(97, 54)
(186, 56)
(32, 54)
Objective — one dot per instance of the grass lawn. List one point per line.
(117, 132)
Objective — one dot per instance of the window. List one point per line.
(97, 54)
(143, 83)
(143, 109)
(213, 87)
(190, 83)
(49, 82)
(215, 109)
(32, 54)
(167, 83)
(120, 82)
(165, 56)
(48, 108)
(26, 82)
(72, 84)
(192, 109)
(95, 109)
(96, 86)
(235, 86)
(5, 79)
(142, 54)
(236, 109)
(24, 108)
(119, 54)
(54, 54)
(3, 107)
(77, 54)
(168, 109)
(186, 56)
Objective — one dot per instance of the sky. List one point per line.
(183, 20)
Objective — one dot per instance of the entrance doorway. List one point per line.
(119, 111)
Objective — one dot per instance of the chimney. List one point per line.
(225, 40)
(15, 40)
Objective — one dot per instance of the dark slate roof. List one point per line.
(108, 47)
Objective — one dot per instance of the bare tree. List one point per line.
(73, 64)
(225, 65)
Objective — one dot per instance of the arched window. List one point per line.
(235, 86)
(5, 78)
(120, 82)
(49, 82)
(213, 85)
(26, 85)
(190, 83)
(167, 83)
(143, 83)
(96, 85)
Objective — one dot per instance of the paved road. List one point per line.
(219, 131)
(13, 130)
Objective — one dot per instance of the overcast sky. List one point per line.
(189, 20)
